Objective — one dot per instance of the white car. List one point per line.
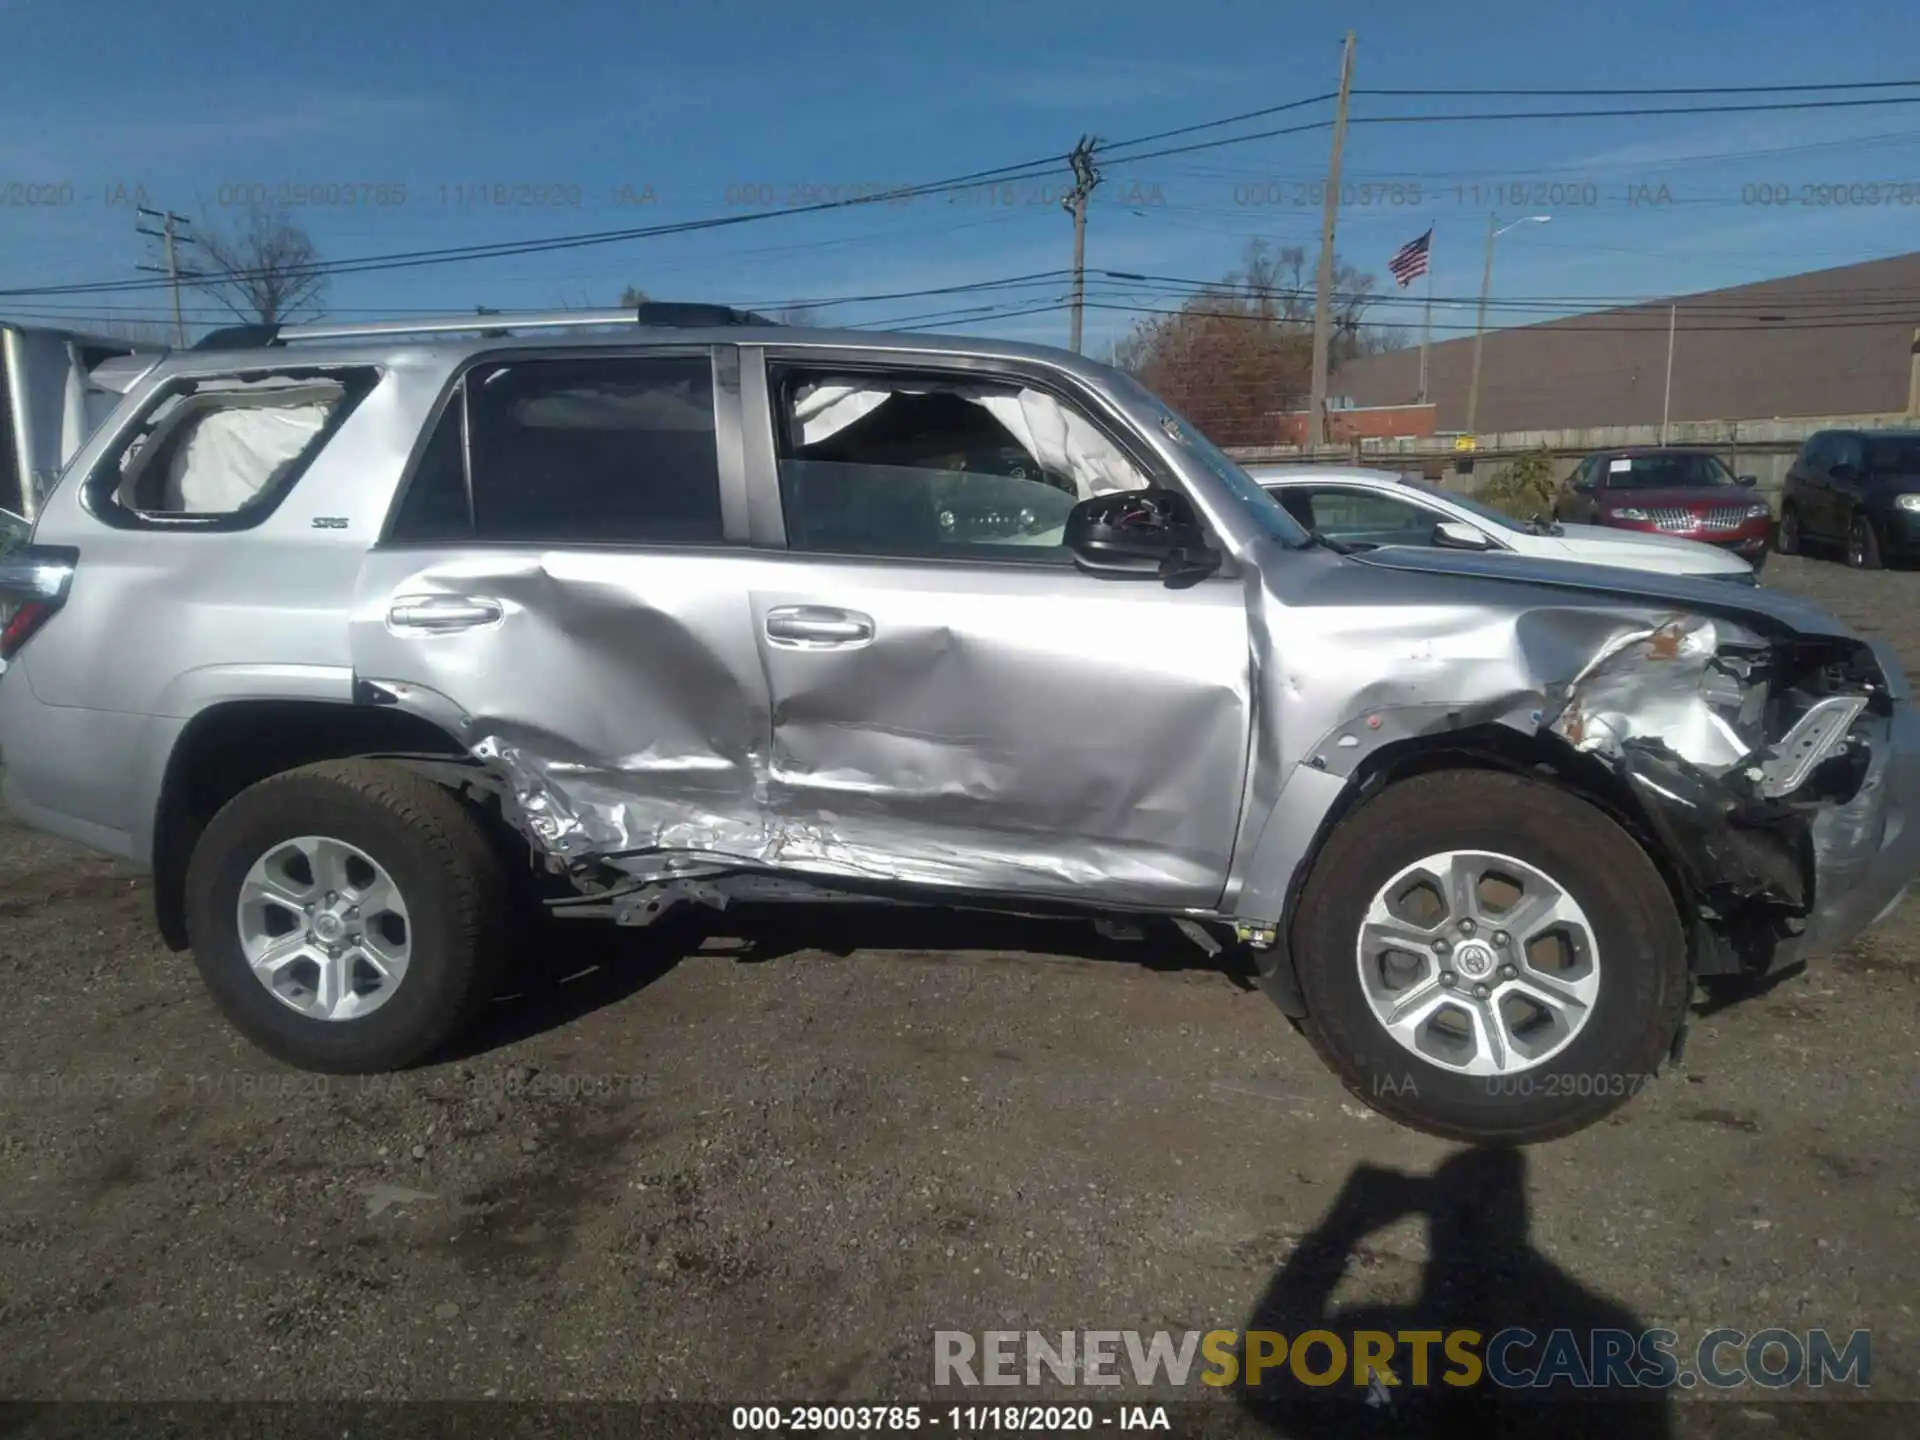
(1369, 508)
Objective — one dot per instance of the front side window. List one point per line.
(1666, 472)
(221, 454)
(1848, 450)
(1359, 517)
(935, 466)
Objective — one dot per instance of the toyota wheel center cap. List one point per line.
(1474, 959)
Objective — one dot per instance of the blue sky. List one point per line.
(701, 109)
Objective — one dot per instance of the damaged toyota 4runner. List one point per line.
(372, 641)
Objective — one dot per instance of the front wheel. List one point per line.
(348, 917)
(1788, 540)
(1488, 957)
(1863, 546)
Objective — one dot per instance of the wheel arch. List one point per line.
(1495, 748)
(232, 744)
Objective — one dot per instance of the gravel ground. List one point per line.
(759, 1157)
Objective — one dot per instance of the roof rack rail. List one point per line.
(660, 313)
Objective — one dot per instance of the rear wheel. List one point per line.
(1488, 957)
(1863, 546)
(348, 917)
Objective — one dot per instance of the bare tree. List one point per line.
(1238, 354)
(632, 296)
(265, 269)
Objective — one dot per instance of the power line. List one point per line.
(1671, 89)
(1022, 170)
(1636, 112)
(1573, 324)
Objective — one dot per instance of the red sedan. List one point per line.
(1689, 494)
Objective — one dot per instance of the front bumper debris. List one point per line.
(1781, 779)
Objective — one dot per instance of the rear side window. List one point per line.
(609, 451)
(221, 455)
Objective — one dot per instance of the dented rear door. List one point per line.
(562, 586)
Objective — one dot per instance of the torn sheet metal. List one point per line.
(1003, 733)
(1747, 744)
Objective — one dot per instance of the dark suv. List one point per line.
(1856, 488)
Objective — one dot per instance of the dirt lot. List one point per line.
(757, 1158)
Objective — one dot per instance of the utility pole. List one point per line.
(1085, 178)
(1666, 400)
(1480, 325)
(169, 234)
(1323, 285)
(1480, 334)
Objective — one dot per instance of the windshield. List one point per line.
(1894, 455)
(1260, 505)
(1666, 472)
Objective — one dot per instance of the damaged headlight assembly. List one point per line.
(1730, 741)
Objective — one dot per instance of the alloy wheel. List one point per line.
(1478, 962)
(324, 928)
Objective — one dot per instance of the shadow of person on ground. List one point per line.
(563, 970)
(1482, 1274)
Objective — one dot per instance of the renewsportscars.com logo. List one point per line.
(1514, 1358)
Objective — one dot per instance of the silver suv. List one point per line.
(364, 638)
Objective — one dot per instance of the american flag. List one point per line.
(1411, 261)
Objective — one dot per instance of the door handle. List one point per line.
(817, 626)
(443, 612)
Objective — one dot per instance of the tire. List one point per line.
(1788, 539)
(1863, 546)
(457, 899)
(1639, 962)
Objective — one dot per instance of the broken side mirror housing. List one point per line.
(1141, 535)
(1747, 481)
(1456, 535)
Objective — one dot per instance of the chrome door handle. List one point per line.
(817, 626)
(443, 612)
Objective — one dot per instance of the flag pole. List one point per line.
(1426, 327)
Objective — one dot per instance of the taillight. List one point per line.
(33, 585)
(21, 624)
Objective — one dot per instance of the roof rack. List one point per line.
(490, 322)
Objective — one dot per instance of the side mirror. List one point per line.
(1454, 535)
(1747, 481)
(1843, 472)
(1140, 535)
(1584, 487)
